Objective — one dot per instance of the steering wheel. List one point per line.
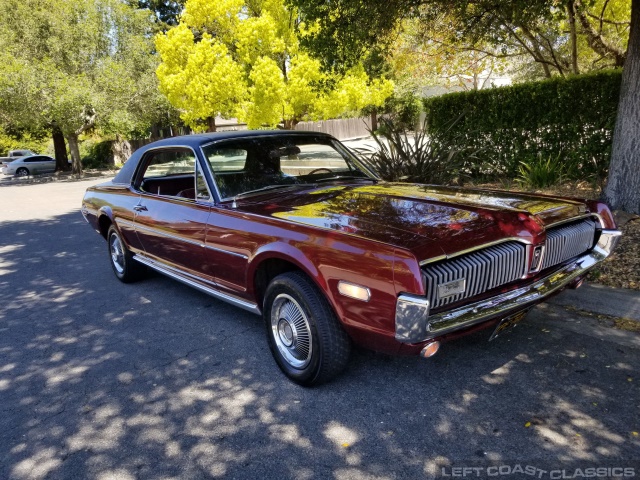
(319, 170)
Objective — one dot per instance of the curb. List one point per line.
(49, 178)
(595, 298)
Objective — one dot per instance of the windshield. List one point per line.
(242, 166)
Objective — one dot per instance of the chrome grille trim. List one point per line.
(568, 241)
(483, 270)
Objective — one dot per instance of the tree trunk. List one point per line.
(120, 151)
(60, 149)
(212, 124)
(374, 120)
(72, 138)
(574, 37)
(623, 186)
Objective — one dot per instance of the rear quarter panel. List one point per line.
(115, 203)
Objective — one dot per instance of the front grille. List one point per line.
(568, 241)
(482, 270)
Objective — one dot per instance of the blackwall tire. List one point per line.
(305, 337)
(124, 266)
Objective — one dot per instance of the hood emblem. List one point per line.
(452, 288)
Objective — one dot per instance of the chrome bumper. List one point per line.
(414, 325)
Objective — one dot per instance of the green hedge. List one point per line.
(571, 119)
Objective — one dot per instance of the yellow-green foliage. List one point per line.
(241, 58)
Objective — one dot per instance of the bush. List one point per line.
(541, 173)
(414, 156)
(96, 154)
(404, 110)
(40, 143)
(571, 119)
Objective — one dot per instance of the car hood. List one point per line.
(411, 216)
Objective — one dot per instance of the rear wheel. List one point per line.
(22, 172)
(124, 266)
(305, 337)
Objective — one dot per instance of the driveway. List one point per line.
(103, 380)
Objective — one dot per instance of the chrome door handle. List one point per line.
(140, 208)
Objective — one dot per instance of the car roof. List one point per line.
(195, 141)
(199, 139)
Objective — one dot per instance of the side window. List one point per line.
(169, 172)
(166, 163)
(202, 191)
(227, 159)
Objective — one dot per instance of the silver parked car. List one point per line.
(30, 165)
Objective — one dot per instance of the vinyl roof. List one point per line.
(195, 141)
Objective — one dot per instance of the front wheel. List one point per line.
(305, 337)
(124, 266)
(22, 172)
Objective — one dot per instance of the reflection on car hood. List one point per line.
(410, 215)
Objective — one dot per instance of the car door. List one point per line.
(33, 164)
(172, 213)
(48, 165)
(229, 237)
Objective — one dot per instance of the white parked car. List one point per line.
(30, 165)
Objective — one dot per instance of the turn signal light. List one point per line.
(354, 291)
(430, 350)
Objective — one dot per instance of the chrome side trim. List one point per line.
(235, 254)
(125, 223)
(180, 276)
(426, 328)
(168, 235)
(185, 240)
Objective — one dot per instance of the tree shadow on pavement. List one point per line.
(99, 380)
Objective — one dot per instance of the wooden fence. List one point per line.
(342, 129)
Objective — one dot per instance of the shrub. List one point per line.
(404, 110)
(40, 143)
(418, 157)
(541, 173)
(96, 154)
(573, 118)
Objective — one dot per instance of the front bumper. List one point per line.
(414, 325)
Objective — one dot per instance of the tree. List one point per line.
(420, 58)
(600, 27)
(623, 186)
(166, 12)
(76, 66)
(559, 37)
(342, 33)
(243, 58)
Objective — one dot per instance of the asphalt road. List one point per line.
(102, 380)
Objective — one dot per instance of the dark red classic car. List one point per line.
(293, 226)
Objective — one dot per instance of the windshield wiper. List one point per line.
(264, 189)
(345, 177)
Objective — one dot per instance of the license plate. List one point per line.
(508, 323)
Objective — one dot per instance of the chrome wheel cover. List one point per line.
(22, 172)
(117, 253)
(291, 331)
